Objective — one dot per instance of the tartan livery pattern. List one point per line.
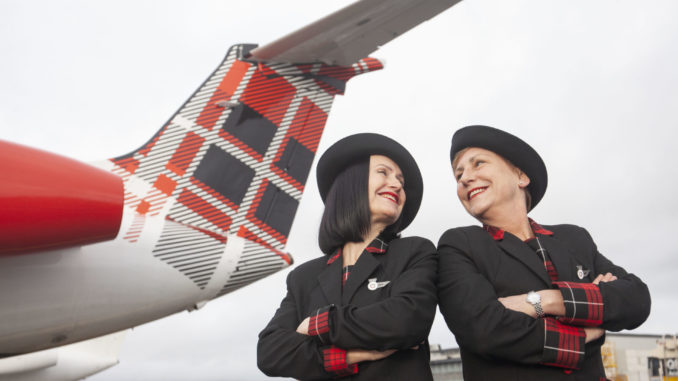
(334, 361)
(255, 262)
(134, 231)
(233, 160)
(563, 344)
(193, 251)
(583, 303)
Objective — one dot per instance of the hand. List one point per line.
(358, 355)
(518, 303)
(604, 278)
(593, 333)
(303, 326)
(551, 303)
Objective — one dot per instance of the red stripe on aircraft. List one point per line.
(129, 164)
(229, 84)
(221, 198)
(238, 143)
(149, 146)
(205, 209)
(308, 124)
(260, 224)
(285, 176)
(270, 97)
(248, 235)
(184, 155)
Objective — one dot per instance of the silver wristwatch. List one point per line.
(535, 300)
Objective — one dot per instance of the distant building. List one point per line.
(626, 357)
(633, 357)
(446, 364)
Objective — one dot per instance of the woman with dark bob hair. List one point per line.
(364, 310)
(525, 301)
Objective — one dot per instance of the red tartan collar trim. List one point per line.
(375, 247)
(334, 256)
(498, 234)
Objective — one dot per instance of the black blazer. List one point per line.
(497, 343)
(396, 316)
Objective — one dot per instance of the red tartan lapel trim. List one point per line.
(498, 234)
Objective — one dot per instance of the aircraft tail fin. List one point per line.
(235, 157)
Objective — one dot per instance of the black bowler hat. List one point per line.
(511, 148)
(359, 146)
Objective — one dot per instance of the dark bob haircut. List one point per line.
(347, 216)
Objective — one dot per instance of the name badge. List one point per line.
(373, 284)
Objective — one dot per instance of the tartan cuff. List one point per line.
(334, 361)
(319, 324)
(583, 303)
(563, 344)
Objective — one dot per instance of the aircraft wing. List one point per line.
(349, 34)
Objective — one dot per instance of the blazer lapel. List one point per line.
(560, 256)
(330, 282)
(519, 250)
(363, 268)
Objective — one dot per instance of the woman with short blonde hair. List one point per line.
(525, 301)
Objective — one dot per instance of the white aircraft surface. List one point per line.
(202, 209)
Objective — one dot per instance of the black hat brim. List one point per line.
(355, 147)
(509, 146)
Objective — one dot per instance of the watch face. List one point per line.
(533, 297)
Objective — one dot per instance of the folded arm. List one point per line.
(283, 352)
(482, 324)
(400, 321)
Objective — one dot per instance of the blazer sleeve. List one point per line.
(469, 304)
(626, 301)
(283, 352)
(400, 321)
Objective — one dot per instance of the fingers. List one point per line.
(604, 278)
(303, 326)
(593, 333)
(354, 356)
(378, 355)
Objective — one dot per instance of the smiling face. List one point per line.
(489, 187)
(385, 191)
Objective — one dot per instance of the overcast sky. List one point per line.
(591, 85)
